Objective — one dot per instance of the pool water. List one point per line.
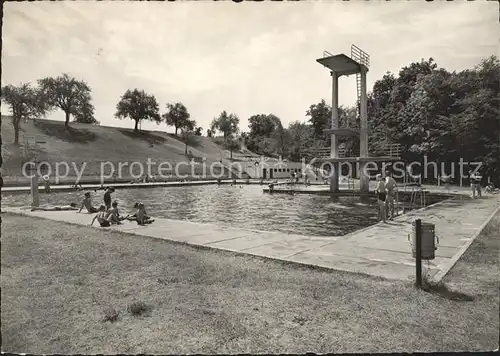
(243, 206)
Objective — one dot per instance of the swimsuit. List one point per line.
(381, 196)
(105, 223)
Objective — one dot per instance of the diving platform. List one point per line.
(340, 64)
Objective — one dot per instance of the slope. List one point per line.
(90, 147)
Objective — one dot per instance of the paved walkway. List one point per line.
(381, 250)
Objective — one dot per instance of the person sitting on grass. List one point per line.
(114, 213)
(87, 204)
(72, 206)
(101, 217)
(141, 216)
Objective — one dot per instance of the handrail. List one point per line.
(392, 150)
(360, 56)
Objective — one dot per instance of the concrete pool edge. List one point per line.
(92, 186)
(364, 252)
(208, 247)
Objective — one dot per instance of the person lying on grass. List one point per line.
(490, 188)
(72, 206)
(103, 219)
(86, 202)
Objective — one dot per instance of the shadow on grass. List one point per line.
(60, 131)
(139, 308)
(444, 291)
(194, 141)
(143, 135)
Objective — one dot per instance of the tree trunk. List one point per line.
(15, 123)
(176, 128)
(66, 123)
(136, 127)
(186, 149)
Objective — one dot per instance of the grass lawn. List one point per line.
(60, 282)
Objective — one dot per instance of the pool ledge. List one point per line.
(381, 250)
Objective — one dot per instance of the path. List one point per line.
(381, 250)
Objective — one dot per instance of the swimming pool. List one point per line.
(243, 206)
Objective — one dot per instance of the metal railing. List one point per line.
(389, 150)
(360, 56)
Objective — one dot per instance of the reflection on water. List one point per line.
(234, 206)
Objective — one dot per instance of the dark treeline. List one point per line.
(443, 116)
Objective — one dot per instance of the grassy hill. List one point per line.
(90, 144)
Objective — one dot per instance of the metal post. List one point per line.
(34, 189)
(418, 247)
(364, 180)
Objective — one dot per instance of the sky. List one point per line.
(245, 58)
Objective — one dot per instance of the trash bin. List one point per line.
(428, 240)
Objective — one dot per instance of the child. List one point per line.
(101, 217)
(107, 197)
(88, 204)
(46, 178)
(141, 216)
(113, 214)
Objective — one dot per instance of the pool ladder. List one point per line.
(417, 191)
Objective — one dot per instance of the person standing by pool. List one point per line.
(390, 186)
(87, 204)
(107, 197)
(46, 179)
(475, 184)
(381, 197)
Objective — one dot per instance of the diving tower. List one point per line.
(358, 63)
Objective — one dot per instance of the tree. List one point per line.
(301, 136)
(66, 93)
(319, 116)
(231, 144)
(177, 116)
(187, 130)
(209, 133)
(138, 105)
(25, 104)
(225, 123)
(198, 131)
(261, 125)
(86, 115)
(278, 133)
